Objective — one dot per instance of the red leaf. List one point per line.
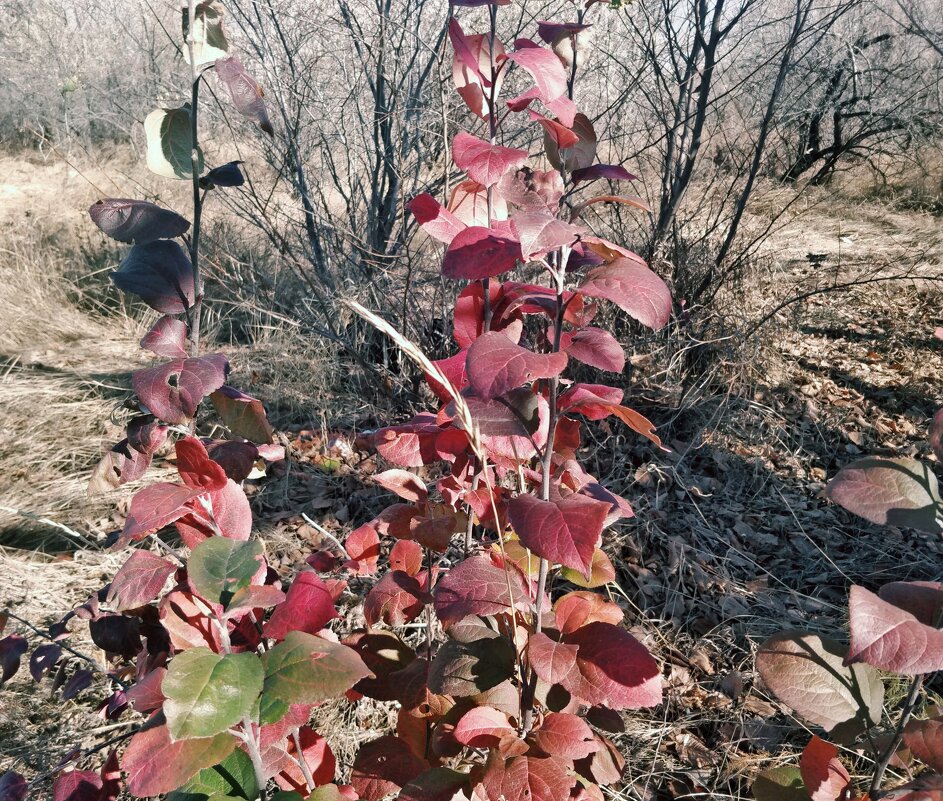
(564, 531)
(173, 391)
(496, 365)
(244, 92)
(638, 423)
(317, 756)
(565, 735)
(470, 61)
(138, 581)
(406, 556)
(154, 764)
(578, 608)
(136, 220)
(471, 67)
(468, 322)
(580, 145)
(411, 444)
(404, 484)
(167, 338)
(478, 586)
(611, 172)
(77, 785)
(526, 778)
(822, 772)
(111, 778)
(195, 466)
(540, 233)
(160, 274)
(558, 136)
(925, 739)
(308, 606)
(890, 638)
(923, 599)
(544, 67)
(485, 163)
(242, 414)
(384, 766)
(363, 550)
(478, 252)
(634, 288)
(533, 190)
(435, 219)
(469, 204)
(230, 516)
(554, 662)
(595, 347)
(483, 727)
(235, 457)
(594, 401)
(397, 599)
(154, 507)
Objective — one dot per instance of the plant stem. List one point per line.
(195, 312)
(888, 754)
(305, 770)
(255, 755)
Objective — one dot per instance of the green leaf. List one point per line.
(234, 777)
(219, 567)
(807, 673)
(207, 693)
(271, 709)
(305, 669)
(780, 784)
(169, 142)
(209, 38)
(288, 795)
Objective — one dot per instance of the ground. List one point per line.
(731, 540)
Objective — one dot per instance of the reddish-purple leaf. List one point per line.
(551, 32)
(478, 586)
(229, 515)
(173, 391)
(544, 67)
(556, 135)
(363, 548)
(136, 220)
(825, 778)
(483, 727)
(485, 163)
(565, 531)
(438, 784)
(634, 288)
(146, 435)
(160, 274)
(435, 219)
(244, 92)
(12, 648)
(309, 607)
(611, 172)
(119, 466)
(384, 766)
(540, 233)
(564, 735)
(411, 444)
(43, 659)
(923, 599)
(595, 347)
(397, 599)
(154, 507)
(242, 414)
(890, 638)
(167, 338)
(471, 68)
(925, 739)
(79, 681)
(154, 764)
(893, 492)
(477, 252)
(235, 457)
(406, 485)
(195, 466)
(406, 555)
(77, 785)
(495, 365)
(138, 581)
(526, 778)
(13, 787)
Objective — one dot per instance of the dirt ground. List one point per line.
(731, 540)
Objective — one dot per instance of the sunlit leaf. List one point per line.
(170, 143)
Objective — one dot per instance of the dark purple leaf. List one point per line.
(225, 175)
(43, 659)
(136, 220)
(611, 172)
(12, 648)
(160, 274)
(79, 681)
(13, 787)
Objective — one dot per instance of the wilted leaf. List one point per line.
(244, 92)
(170, 144)
(242, 414)
(206, 30)
(894, 492)
(780, 784)
(807, 673)
(159, 273)
(137, 221)
(43, 659)
(579, 154)
(464, 669)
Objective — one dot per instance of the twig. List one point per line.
(888, 754)
(325, 533)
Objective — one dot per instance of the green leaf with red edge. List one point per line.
(496, 365)
(526, 778)
(207, 693)
(138, 221)
(807, 673)
(396, 599)
(780, 784)
(925, 739)
(155, 764)
(477, 586)
(138, 581)
(478, 252)
(484, 162)
(304, 669)
(890, 638)
(825, 778)
(154, 507)
(160, 274)
(172, 391)
(893, 492)
(634, 288)
(309, 607)
(242, 414)
(383, 767)
(195, 466)
(219, 567)
(564, 530)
